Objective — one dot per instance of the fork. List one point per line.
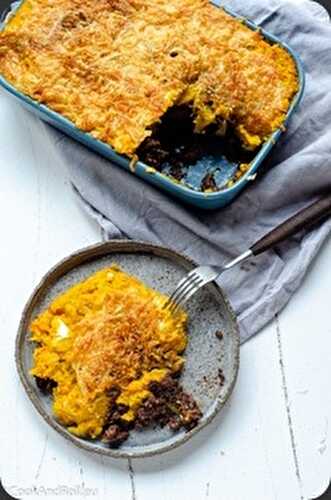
(202, 275)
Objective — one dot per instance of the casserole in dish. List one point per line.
(127, 80)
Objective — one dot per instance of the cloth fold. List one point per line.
(296, 173)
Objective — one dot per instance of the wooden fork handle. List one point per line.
(302, 220)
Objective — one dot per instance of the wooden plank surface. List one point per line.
(272, 442)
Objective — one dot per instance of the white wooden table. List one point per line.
(272, 442)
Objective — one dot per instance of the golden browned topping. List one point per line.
(114, 67)
(107, 332)
(129, 337)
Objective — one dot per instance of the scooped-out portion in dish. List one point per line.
(204, 162)
(115, 68)
(111, 356)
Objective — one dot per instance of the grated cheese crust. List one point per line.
(114, 67)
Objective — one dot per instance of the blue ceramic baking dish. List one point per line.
(188, 190)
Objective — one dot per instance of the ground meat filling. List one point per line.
(173, 144)
(168, 405)
(208, 183)
(45, 385)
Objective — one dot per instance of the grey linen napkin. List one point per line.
(295, 174)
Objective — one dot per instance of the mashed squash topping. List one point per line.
(107, 333)
(114, 67)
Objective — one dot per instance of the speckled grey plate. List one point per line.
(206, 354)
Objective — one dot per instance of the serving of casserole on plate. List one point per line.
(111, 355)
(181, 91)
(108, 368)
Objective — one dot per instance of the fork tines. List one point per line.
(185, 289)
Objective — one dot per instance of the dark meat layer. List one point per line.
(45, 385)
(174, 144)
(168, 405)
